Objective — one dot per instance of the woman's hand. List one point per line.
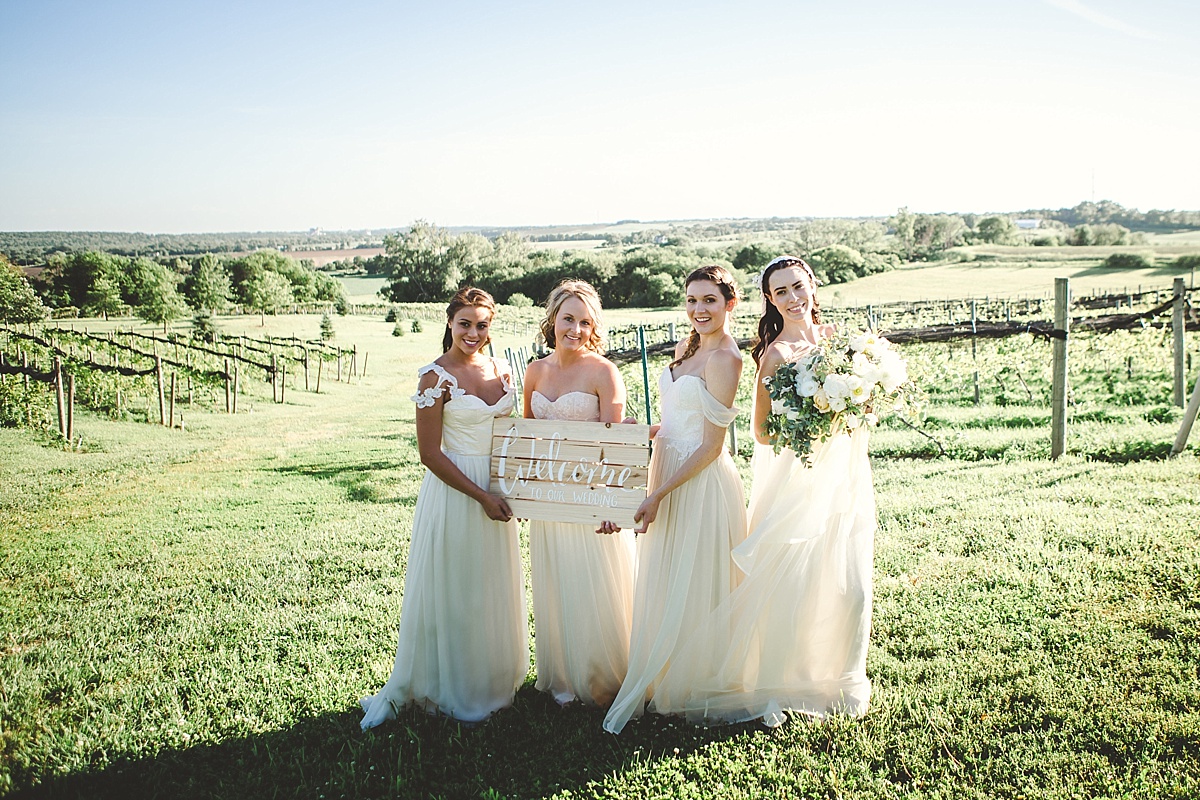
(496, 508)
(608, 527)
(646, 512)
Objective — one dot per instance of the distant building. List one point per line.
(1028, 224)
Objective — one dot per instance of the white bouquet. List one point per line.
(847, 381)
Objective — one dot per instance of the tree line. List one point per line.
(93, 283)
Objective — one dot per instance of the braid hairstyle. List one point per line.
(770, 324)
(466, 297)
(588, 295)
(723, 278)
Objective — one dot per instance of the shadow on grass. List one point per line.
(533, 749)
(1129, 452)
(367, 481)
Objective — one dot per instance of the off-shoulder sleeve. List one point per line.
(427, 397)
(715, 412)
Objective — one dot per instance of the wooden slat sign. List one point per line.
(558, 471)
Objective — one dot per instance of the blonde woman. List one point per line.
(582, 578)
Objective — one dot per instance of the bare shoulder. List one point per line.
(774, 355)
(726, 359)
(602, 367)
(681, 346)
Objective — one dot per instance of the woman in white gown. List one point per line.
(463, 646)
(694, 514)
(582, 579)
(793, 636)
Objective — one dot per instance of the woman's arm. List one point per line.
(721, 376)
(429, 445)
(611, 391)
(771, 359)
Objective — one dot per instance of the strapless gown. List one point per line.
(463, 646)
(582, 591)
(684, 565)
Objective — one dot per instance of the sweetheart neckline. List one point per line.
(565, 394)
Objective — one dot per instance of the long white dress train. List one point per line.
(793, 636)
(582, 591)
(463, 646)
(684, 566)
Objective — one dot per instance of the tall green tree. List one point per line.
(904, 229)
(421, 265)
(997, 230)
(103, 297)
(267, 292)
(18, 302)
(209, 287)
(159, 298)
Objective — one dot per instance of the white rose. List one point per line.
(792, 414)
(835, 386)
(778, 407)
(821, 401)
(852, 421)
(871, 419)
(808, 388)
(837, 404)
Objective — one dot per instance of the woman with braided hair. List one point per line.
(694, 514)
(792, 638)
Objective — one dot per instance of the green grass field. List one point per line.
(196, 613)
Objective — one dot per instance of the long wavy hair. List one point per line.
(467, 297)
(588, 295)
(770, 324)
(723, 278)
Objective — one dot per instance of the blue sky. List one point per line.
(242, 116)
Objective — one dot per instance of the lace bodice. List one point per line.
(581, 406)
(466, 418)
(686, 403)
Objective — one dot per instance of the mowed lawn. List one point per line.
(196, 613)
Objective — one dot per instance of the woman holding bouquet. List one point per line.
(582, 582)
(693, 515)
(793, 636)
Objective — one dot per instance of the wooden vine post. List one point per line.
(171, 417)
(1058, 396)
(228, 382)
(162, 400)
(58, 395)
(1177, 341)
(70, 408)
(1189, 417)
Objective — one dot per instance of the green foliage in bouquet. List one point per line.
(847, 381)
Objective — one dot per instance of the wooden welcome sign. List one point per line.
(560, 471)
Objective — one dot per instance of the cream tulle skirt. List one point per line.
(463, 643)
(793, 636)
(582, 610)
(684, 572)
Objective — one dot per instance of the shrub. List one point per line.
(399, 329)
(1126, 261)
(416, 326)
(391, 315)
(203, 328)
(519, 300)
(326, 328)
